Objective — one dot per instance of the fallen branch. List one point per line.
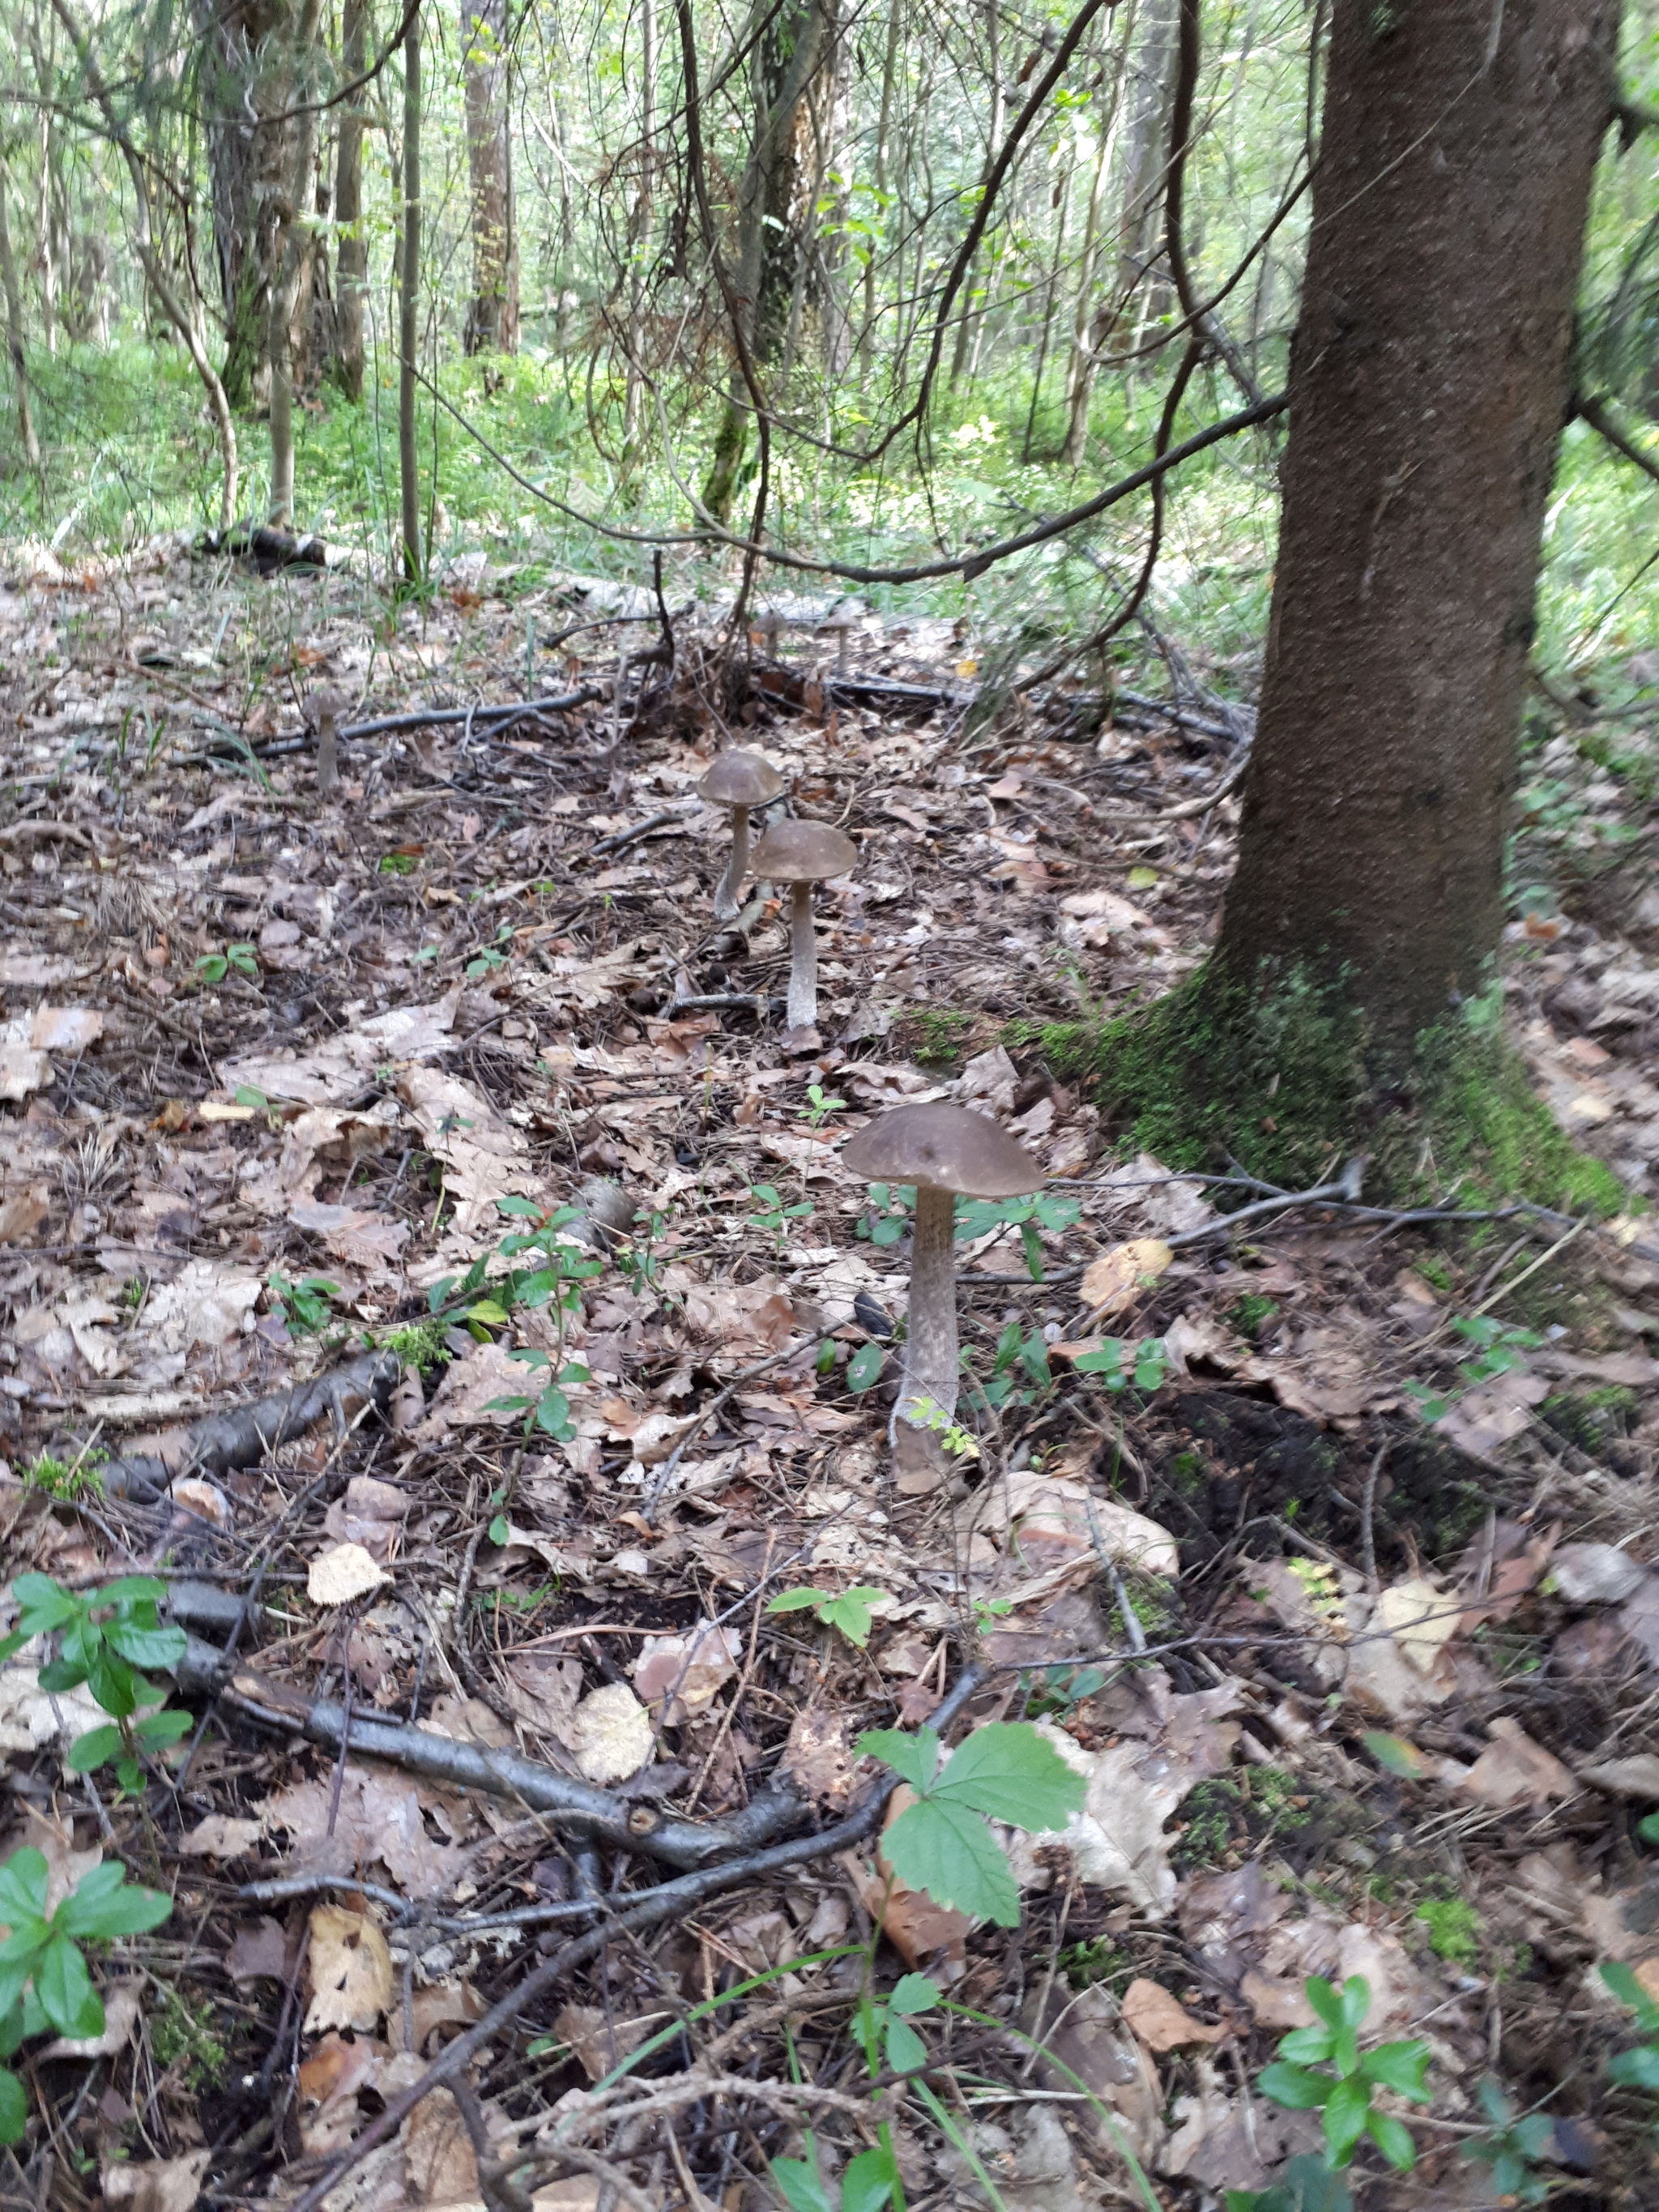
(672, 1899)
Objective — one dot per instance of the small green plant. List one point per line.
(180, 2032)
(849, 1611)
(1454, 1927)
(493, 956)
(977, 1217)
(864, 1368)
(1637, 2069)
(553, 1279)
(214, 967)
(1499, 1349)
(548, 1408)
(105, 1636)
(80, 1477)
(640, 1260)
(397, 864)
(955, 1439)
(1308, 2183)
(819, 1108)
(892, 1206)
(307, 1305)
(1253, 1314)
(1511, 2148)
(1322, 2069)
(44, 1982)
(1005, 1770)
(1058, 1689)
(1118, 1363)
(771, 1213)
(418, 1344)
(1019, 1353)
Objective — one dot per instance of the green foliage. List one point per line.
(1511, 2148)
(1308, 2183)
(1322, 2069)
(819, 1108)
(214, 967)
(1637, 2069)
(1118, 1363)
(1005, 1770)
(771, 1213)
(977, 1217)
(44, 1982)
(1499, 1349)
(892, 1206)
(552, 1277)
(104, 1638)
(1020, 1354)
(548, 1408)
(864, 1368)
(307, 1305)
(493, 956)
(849, 1611)
(1454, 1927)
(418, 1344)
(1253, 1314)
(80, 1477)
(179, 2032)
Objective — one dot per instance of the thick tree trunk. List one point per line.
(409, 319)
(351, 263)
(1429, 380)
(245, 94)
(492, 312)
(292, 249)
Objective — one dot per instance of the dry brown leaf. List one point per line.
(686, 1671)
(1513, 1770)
(611, 1736)
(336, 1576)
(1162, 2021)
(469, 1720)
(818, 1756)
(156, 2184)
(1420, 1617)
(350, 1969)
(1222, 2141)
(1117, 1279)
(544, 1691)
(221, 1837)
(1596, 1574)
(330, 2077)
(380, 1815)
(436, 2006)
(22, 1214)
(1087, 2037)
(600, 2040)
(120, 2018)
(205, 1303)
(440, 2163)
(256, 1951)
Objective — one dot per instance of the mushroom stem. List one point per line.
(803, 1007)
(327, 768)
(726, 891)
(932, 1365)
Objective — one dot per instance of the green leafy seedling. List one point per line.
(1308, 2184)
(1637, 2069)
(105, 1636)
(1511, 2148)
(864, 1368)
(849, 1611)
(307, 1305)
(977, 1217)
(1322, 2069)
(214, 967)
(892, 1206)
(819, 1108)
(772, 1214)
(1005, 1770)
(549, 1408)
(1118, 1363)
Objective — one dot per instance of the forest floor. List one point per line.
(1341, 1607)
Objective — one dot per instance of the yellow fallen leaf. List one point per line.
(1163, 2022)
(1420, 1617)
(1116, 1279)
(336, 1576)
(350, 1969)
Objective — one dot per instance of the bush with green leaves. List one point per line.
(44, 1982)
(1007, 1770)
(105, 1636)
(1020, 1359)
(549, 1272)
(549, 1408)
(1322, 2069)
(850, 1611)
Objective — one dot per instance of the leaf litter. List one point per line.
(1322, 1561)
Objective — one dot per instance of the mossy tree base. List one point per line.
(1281, 1075)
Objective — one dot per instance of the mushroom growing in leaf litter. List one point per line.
(801, 854)
(946, 1152)
(739, 781)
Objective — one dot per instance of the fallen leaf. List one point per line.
(1596, 1574)
(205, 1303)
(1114, 1282)
(120, 2018)
(600, 2040)
(1513, 1770)
(440, 2164)
(819, 1757)
(221, 1837)
(544, 1690)
(155, 2185)
(611, 1736)
(65, 1028)
(256, 1951)
(682, 1674)
(350, 1969)
(1635, 1776)
(1083, 2037)
(22, 1214)
(1420, 1617)
(330, 2076)
(336, 1576)
(1162, 2021)
(1221, 2141)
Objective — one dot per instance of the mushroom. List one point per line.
(739, 781)
(325, 710)
(946, 1152)
(801, 854)
(840, 623)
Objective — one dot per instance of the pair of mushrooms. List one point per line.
(796, 853)
(947, 1153)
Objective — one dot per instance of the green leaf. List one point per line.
(850, 1612)
(864, 1368)
(104, 1903)
(156, 1730)
(915, 1758)
(14, 2108)
(92, 1749)
(1324, 1999)
(489, 1311)
(801, 2182)
(1347, 2110)
(1009, 1770)
(67, 1996)
(147, 1647)
(1356, 2000)
(500, 1530)
(867, 2181)
(12, 2031)
(43, 1605)
(1400, 2067)
(1393, 2138)
(914, 1993)
(1394, 1753)
(1636, 2069)
(950, 1853)
(1295, 2086)
(797, 1600)
(24, 1881)
(1626, 1987)
(906, 2050)
(114, 1683)
(129, 1590)
(1306, 2046)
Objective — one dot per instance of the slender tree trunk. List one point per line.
(351, 264)
(639, 235)
(1149, 73)
(1429, 380)
(409, 314)
(993, 143)
(878, 219)
(15, 335)
(492, 312)
(1062, 197)
(1080, 367)
(294, 239)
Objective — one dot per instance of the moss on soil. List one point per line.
(1279, 1075)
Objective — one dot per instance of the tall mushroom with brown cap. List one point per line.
(739, 781)
(801, 854)
(946, 1152)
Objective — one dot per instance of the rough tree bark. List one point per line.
(292, 245)
(351, 263)
(242, 63)
(1349, 998)
(492, 312)
(409, 319)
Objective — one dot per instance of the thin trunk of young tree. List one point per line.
(878, 217)
(351, 263)
(409, 307)
(993, 144)
(492, 312)
(1147, 99)
(186, 322)
(639, 235)
(1087, 321)
(31, 444)
(1061, 200)
(293, 244)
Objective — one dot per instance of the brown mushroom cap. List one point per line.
(803, 853)
(741, 780)
(943, 1148)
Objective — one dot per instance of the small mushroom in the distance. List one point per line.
(801, 854)
(947, 1152)
(739, 781)
(325, 709)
